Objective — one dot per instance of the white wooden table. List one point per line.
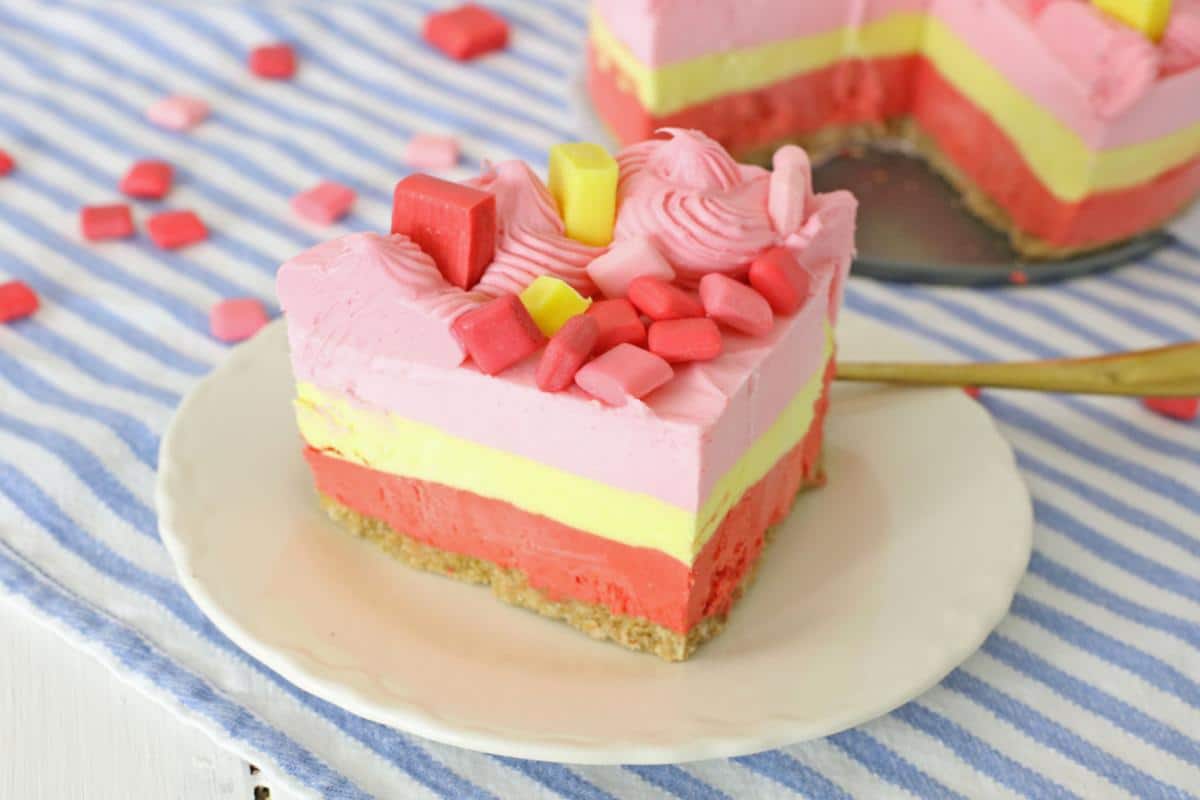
(69, 728)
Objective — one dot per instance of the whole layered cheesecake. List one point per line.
(598, 400)
(1069, 124)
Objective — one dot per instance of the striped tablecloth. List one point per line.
(1090, 688)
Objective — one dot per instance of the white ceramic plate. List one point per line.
(875, 589)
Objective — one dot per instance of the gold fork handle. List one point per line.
(1163, 372)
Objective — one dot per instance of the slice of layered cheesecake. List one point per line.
(602, 428)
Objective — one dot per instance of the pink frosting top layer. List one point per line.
(364, 313)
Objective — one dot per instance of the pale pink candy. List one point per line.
(325, 203)
(735, 305)
(1180, 45)
(626, 372)
(178, 112)
(236, 319)
(625, 261)
(429, 151)
(791, 185)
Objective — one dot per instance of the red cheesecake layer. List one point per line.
(892, 88)
(565, 563)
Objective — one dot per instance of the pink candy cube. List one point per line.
(735, 305)
(681, 340)
(623, 373)
(619, 324)
(499, 334)
(273, 61)
(466, 32)
(6, 163)
(325, 203)
(627, 260)
(1184, 409)
(178, 112)
(17, 301)
(660, 300)
(427, 151)
(783, 282)
(236, 319)
(106, 222)
(150, 180)
(567, 352)
(452, 222)
(174, 229)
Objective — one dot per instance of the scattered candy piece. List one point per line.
(498, 334)
(1018, 277)
(681, 340)
(149, 180)
(325, 203)
(613, 271)
(427, 151)
(567, 352)
(273, 61)
(174, 229)
(973, 392)
(790, 187)
(583, 180)
(619, 324)
(106, 222)
(6, 163)
(236, 319)
(17, 301)
(735, 305)
(660, 300)
(466, 32)
(454, 224)
(552, 302)
(1184, 409)
(178, 112)
(1148, 16)
(622, 373)
(777, 277)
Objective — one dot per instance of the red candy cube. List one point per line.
(1184, 409)
(623, 373)
(567, 352)
(498, 334)
(106, 222)
(466, 32)
(273, 61)
(236, 319)
(6, 163)
(619, 324)
(149, 180)
(454, 224)
(325, 203)
(174, 229)
(17, 301)
(778, 277)
(660, 300)
(735, 305)
(681, 340)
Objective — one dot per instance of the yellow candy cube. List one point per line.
(583, 179)
(551, 302)
(1148, 16)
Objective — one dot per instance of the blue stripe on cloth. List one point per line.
(792, 774)
(678, 782)
(889, 765)
(556, 777)
(1153, 294)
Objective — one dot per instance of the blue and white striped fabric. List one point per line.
(1090, 688)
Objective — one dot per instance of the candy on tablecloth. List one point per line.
(6, 163)
(17, 301)
(623, 373)
(430, 151)
(1184, 409)
(735, 305)
(566, 353)
(173, 229)
(1148, 16)
(325, 203)
(498, 334)
(106, 222)
(660, 300)
(618, 323)
(273, 61)
(613, 271)
(583, 180)
(789, 189)
(973, 392)
(148, 180)
(680, 340)
(453, 223)
(466, 32)
(236, 319)
(178, 112)
(552, 302)
(780, 279)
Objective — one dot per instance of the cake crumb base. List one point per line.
(512, 586)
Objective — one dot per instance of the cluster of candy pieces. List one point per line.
(145, 180)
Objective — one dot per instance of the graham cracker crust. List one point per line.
(511, 586)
